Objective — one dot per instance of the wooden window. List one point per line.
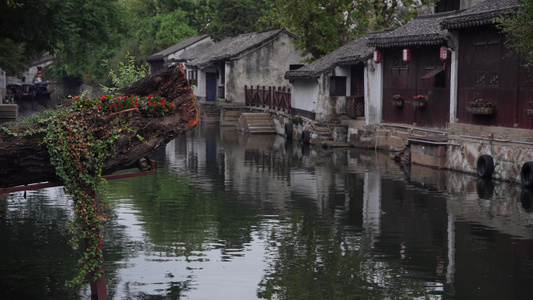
(193, 77)
(337, 86)
(399, 73)
(447, 5)
(487, 62)
(295, 67)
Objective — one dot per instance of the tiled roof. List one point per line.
(183, 44)
(424, 30)
(480, 14)
(351, 53)
(235, 46)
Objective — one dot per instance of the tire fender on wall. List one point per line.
(526, 174)
(306, 137)
(485, 166)
(288, 131)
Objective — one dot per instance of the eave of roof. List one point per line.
(234, 47)
(354, 52)
(422, 31)
(176, 47)
(484, 13)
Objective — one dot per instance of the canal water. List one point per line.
(229, 216)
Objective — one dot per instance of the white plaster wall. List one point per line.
(3, 79)
(265, 66)
(305, 94)
(340, 103)
(325, 106)
(454, 41)
(373, 92)
(469, 3)
(199, 91)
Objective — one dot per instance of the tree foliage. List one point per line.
(163, 30)
(518, 26)
(325, 25)
(72, 29)
(127, 73)
(234, 17)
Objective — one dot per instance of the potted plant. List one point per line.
(480, 107)
(397, 100)
(419, 101)
(529, 109)
(297, 120)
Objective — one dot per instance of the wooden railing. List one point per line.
(279, 99)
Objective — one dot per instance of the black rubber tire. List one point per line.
(485, 166)
(288, 131)
(485, 188)
(306, 137)
(526, 174)
(526, 198)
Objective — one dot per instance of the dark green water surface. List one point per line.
(234, 217)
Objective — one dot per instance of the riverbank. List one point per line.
(499, 153)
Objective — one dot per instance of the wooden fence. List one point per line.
(279, 99)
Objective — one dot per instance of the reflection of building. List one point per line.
(423, 231)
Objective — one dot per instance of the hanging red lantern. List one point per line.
(444, 53)
(377, 56)
(88, 74)
(406, 55)
(40, 74)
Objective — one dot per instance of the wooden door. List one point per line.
(211, 87)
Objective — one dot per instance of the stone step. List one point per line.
(259, 122)
(232, 113)
(261, 130)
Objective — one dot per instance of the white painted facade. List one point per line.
(313, 95)
(373, 92)
(305, 95)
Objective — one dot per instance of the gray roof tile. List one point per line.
(176, 47)
(424, 30)
(235, 46)
(482, 13)
(351, 53)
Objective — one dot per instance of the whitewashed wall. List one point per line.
(304, 95)
(373, 92)
(264, 66)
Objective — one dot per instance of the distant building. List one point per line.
(251, 59)
(334, 85)
(181, 52)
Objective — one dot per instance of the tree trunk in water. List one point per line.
(24, 159)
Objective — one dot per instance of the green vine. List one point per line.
(79, 139)
(78, 147)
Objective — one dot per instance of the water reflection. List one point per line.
(234, 217)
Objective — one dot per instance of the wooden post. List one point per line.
(289, 101)
(98, 286)
(270, 104)
(246, 97)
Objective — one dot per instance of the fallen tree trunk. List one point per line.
(24, 158)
